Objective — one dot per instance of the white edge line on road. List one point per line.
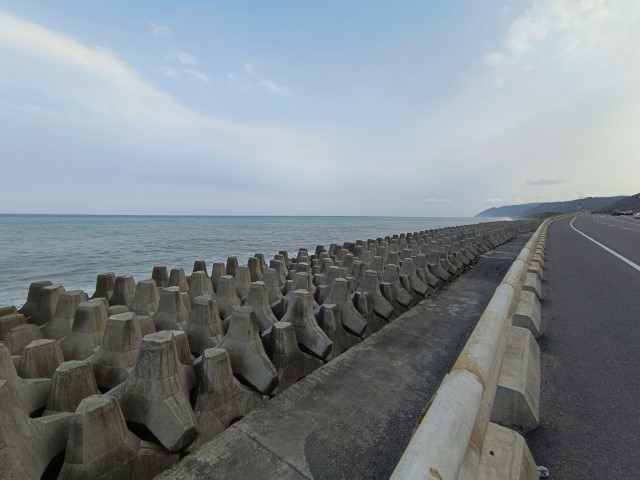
(616, 254)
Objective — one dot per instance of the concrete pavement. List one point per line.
(590, 346)
(353, 418)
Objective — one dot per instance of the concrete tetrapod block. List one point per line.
(32, 392)
(248, 358)
(517, 400)
(87, 331)
(105, 283)
(114, 361)
(62, 321)
(255, 269)
(309, 335)
(28, 445)
(100, 446)
(371, 285)
(155, 394)
(172, 313)
(40, 359)
(528, 313)
(160, 275)
(177, 278)
(533, 284)
(276, 299)
(200, 285)
(8, 321)
(204, 323)
(301, 281)
(425, 274)
(391, 274)
(258, 298)
(226, 296)
(217, 270)
(505, 455)
(21, 336)
(47, 303)
(242, 280)
(364, 305)
(291, 363)
(232, 266)
(146, 299)
(329, 319)
(436, 268)
(351, 318)
(33, 297)
(124, 291)
(71, 382)
(220, 398)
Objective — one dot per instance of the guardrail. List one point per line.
(451, 441)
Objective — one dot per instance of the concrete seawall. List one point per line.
(157, 368)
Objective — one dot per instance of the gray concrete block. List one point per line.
(71, 382)
(21, 336)
(33, 297)
(124, 291)
(47, 303)
(226, 296)
(528, 313)
(535, 267)
(351, 318)
(505, 455)
(248, 358)
(155, 394)
(204, 323)
(160, 275)
(32, 393)
(105, 283)
(177, 278)
(220, 399)
(217, 270)
(258, 299)
(200, 285)
(364, 305)
(8, 321)
(60, 326)
(391, 274)
(146, 299)
(232, 266)
(172, 313)
(533, 284)
(114, 361)
(371, 285)
(309, 335)
(40, 359)
(517, 400)
(242, 280)
(28, 445)
(88, 329)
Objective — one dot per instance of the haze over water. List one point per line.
(72, 250)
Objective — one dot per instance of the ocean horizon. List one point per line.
(72, 249)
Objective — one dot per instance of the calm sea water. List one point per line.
(72, 249)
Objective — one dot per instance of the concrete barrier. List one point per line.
(496, 376)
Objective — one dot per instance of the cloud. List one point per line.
(250, 68)
(272, 86)
(497, 202)
(159, 30)
(545, 181)
(87, 98)
(169, 71)
(494, 59)
(438, 201)
(182, 57)
(197, 76)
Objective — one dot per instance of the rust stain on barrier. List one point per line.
(472, 367)
(434, 473)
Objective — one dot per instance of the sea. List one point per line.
(72, 250)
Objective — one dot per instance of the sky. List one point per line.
(366, 107)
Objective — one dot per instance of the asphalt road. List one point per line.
(590, 347)
(353, 418)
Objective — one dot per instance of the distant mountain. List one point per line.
(626, 203)
(507, 210)
(581, 204)
(537, 209)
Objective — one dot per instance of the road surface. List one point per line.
(590, 347)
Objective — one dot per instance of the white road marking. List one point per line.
(615, 254)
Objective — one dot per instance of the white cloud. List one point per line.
(542, 182)
(197, 76)
(182, 57)
(250, 68)
(494, 59)
(272, 86)
(438, 201)
(169, 71)
(498, 202)
(159, 30)
(91, 94)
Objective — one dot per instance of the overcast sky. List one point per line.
(407, 108)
